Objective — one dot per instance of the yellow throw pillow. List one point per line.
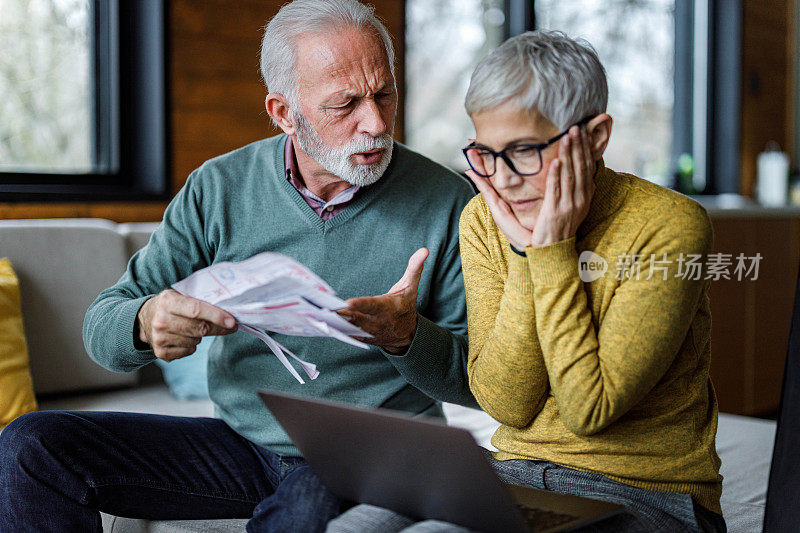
(16, 385)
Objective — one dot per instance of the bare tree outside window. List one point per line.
(445, 39)
(635, 40)
(46, 110)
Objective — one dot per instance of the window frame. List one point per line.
(723, 95)
(519, 17)
(129, 138)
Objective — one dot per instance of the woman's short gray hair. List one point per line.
(545, 71)
(278, 47)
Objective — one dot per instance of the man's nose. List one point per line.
(371, 121)
(504, 177)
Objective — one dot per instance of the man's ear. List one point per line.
(599, 130)
(278, 108)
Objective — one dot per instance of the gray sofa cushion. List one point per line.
(63, 265)
(137, 234)
(154, 399)
(745, 446)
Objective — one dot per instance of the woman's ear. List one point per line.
(278, 108)
(599, 130)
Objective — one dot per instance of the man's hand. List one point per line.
(569, 190)
(390, 318)
(173, 324)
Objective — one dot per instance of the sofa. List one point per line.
(63, 264)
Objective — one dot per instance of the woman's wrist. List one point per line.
(517, 251)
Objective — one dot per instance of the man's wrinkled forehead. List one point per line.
(339, 57)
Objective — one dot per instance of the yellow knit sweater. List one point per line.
(606, 376)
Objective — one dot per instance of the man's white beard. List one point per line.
(337, 160)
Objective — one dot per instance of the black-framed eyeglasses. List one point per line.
(524, 159)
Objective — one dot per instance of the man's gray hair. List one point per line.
(279, 47)
(545, 71)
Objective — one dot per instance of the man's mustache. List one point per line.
(367, 142)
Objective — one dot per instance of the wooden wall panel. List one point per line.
(116, 211)
(731, 323)
(766, 74)
(778, 241)
(216, 95)
(750, 319)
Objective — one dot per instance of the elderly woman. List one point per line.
(588, 333)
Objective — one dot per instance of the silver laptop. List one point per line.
(420, 468)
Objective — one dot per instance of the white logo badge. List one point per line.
(591, 266)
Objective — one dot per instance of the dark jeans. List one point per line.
(648, 511)
(59, 469)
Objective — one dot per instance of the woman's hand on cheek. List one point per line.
(568, 191)
(516, 233)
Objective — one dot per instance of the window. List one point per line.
(635, 42)
(673, 70)
(45, 120)
(84, 86)
(445, 40)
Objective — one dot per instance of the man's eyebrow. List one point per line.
(347, 94)
(344, 94)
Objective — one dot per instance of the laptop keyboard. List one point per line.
(540, 519)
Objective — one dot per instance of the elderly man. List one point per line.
(337, 194)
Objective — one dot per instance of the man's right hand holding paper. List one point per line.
(173, 324)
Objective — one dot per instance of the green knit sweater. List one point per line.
(240, 204)
(607, 376)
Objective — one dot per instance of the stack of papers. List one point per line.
(273, 292)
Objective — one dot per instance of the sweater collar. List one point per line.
(610, 191)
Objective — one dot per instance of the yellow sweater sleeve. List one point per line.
(598, 374)
(506, 371)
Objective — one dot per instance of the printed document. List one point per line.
(273, 292)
